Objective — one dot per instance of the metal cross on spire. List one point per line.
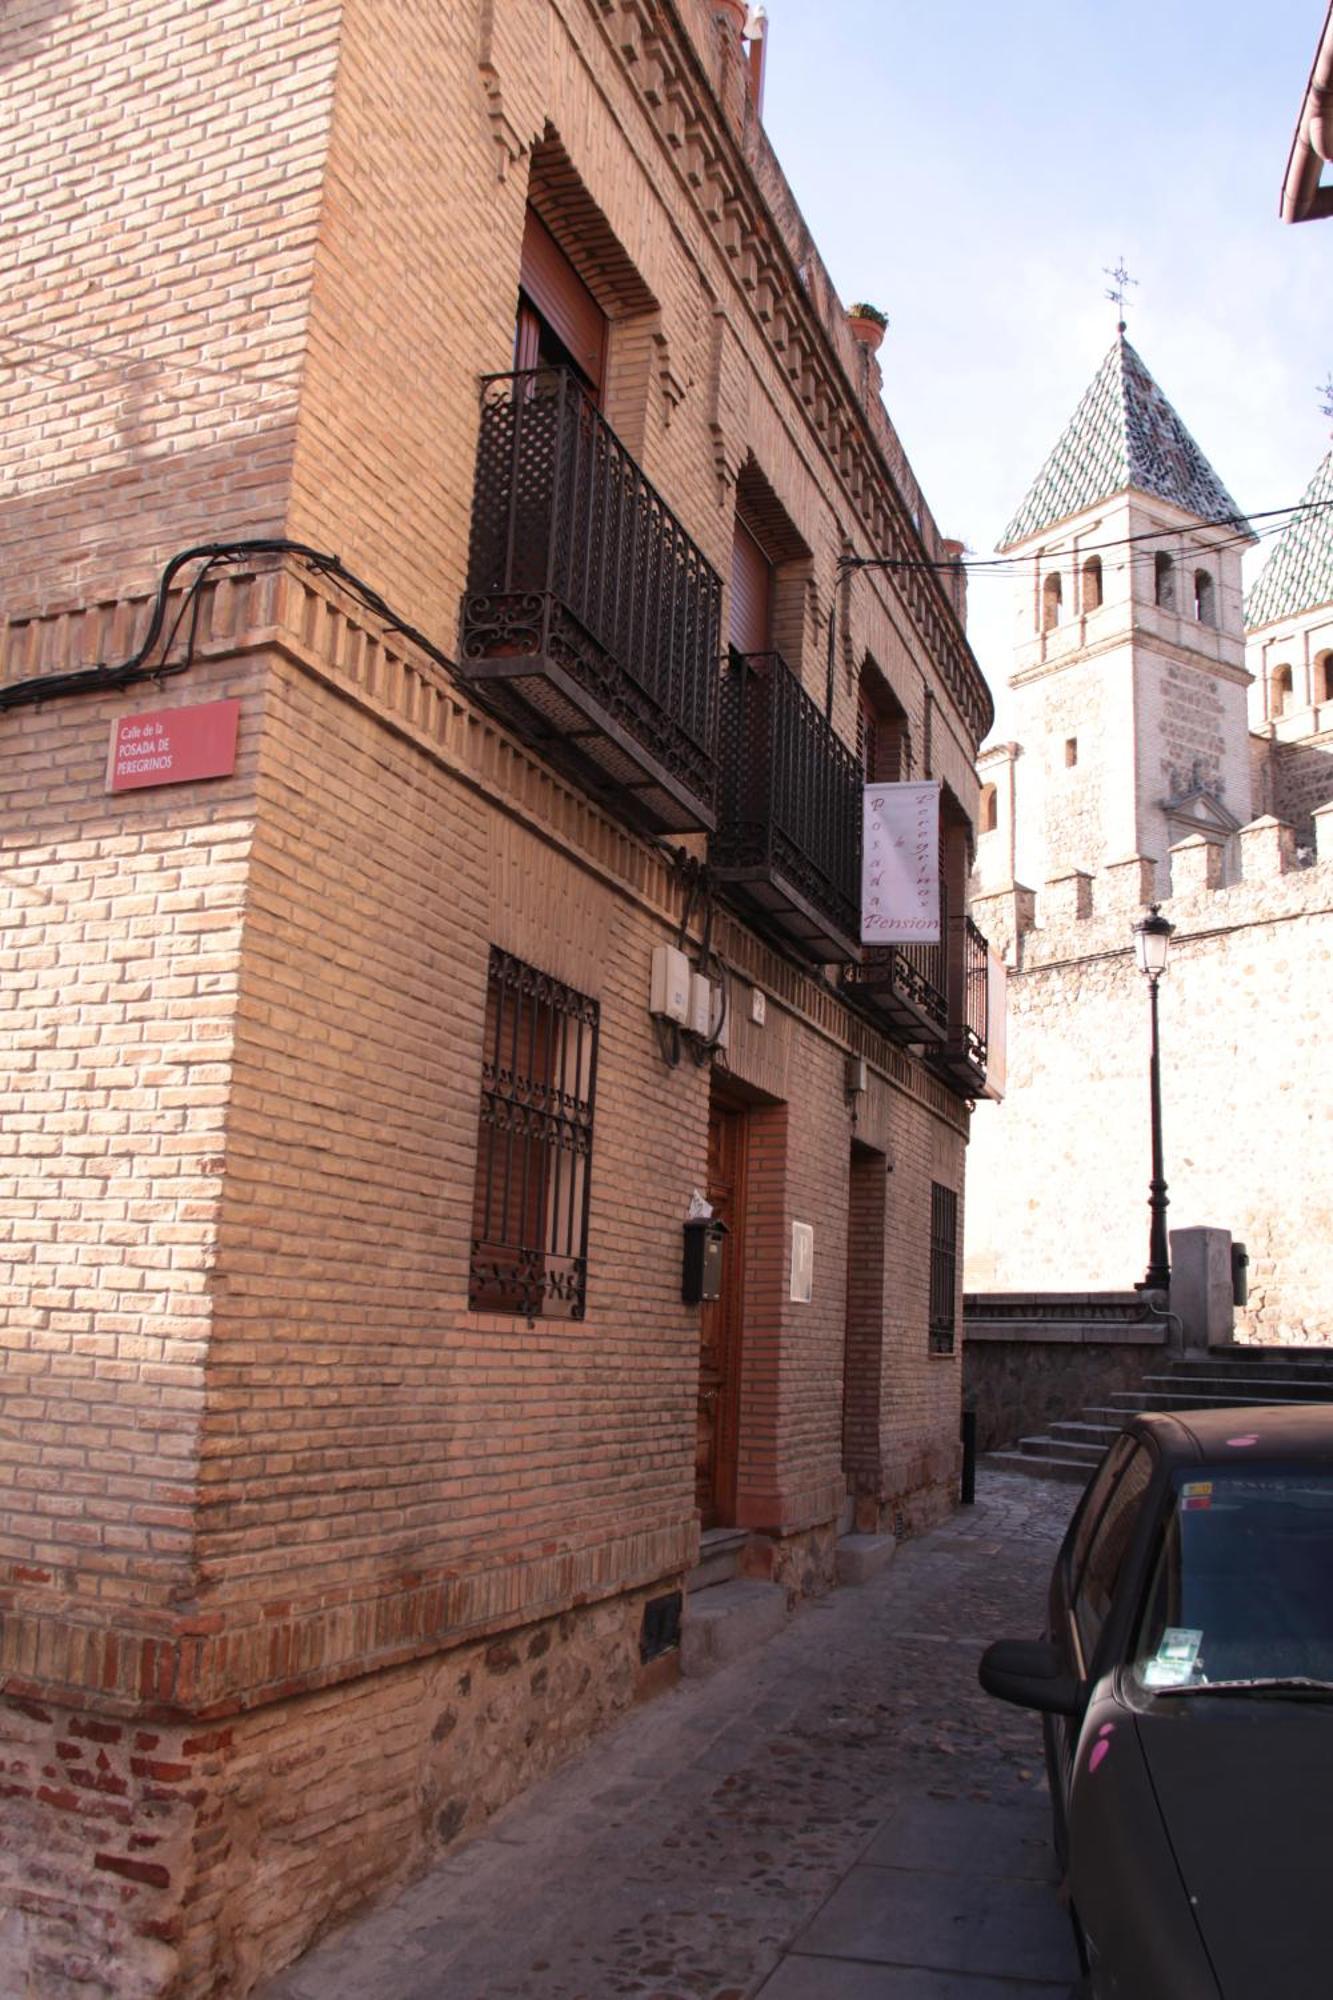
(1116, 293)
(1325, 394)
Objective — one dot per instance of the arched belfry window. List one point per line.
(989, 809)
(1205, 603)
(1092, 584)
(1164, 580)
(1323, 677)
(1280, 691)
(1052, 601)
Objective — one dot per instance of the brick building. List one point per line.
(433, 443)
(1172, 742)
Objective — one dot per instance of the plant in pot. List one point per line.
(867, 324)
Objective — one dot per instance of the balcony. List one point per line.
(961, 1060)
(904, 987)
(787, 850)
(591, 620)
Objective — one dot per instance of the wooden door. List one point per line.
(720, 1326)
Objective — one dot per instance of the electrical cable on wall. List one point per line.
(212, 556)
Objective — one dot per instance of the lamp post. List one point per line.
(1152, 938)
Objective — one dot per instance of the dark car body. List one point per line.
(1192, 1782)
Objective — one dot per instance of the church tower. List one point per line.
(1129, 660)
(1289, 616)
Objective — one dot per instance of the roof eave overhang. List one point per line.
(1303, 198)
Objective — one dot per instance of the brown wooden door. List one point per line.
(720, 1326)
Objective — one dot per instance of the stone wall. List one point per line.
(1021, 1376)
(1058, 1174)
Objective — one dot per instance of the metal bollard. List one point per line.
(968, 1491)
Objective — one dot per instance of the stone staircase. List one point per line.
(1220, 1379)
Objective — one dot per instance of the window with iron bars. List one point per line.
(943, 1266)
(534, 1149)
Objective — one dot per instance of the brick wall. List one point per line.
(166, 197)
(305, 1553)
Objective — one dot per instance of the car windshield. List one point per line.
(1243, 1585)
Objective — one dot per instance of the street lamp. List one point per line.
(1152, 938)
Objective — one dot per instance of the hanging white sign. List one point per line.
(900, 864)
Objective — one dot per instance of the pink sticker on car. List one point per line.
(1251, 1437)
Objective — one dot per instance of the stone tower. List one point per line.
(1289, 618)
(1129, 661)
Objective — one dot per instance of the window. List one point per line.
(1204, 604)
(1164, 580)
(1280, 688)
(1107, 1552)
(530, 1198)
(560, 324)
(1052, 600)
(1092, 584)
(1323, 677)
(990, 809)
(1071, 752)
(751, 623)
(881, 729)
(943, 1267)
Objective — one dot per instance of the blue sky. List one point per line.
(972, 169)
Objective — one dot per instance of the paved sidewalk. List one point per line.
(842, 1816)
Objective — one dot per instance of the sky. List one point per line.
(974, 170)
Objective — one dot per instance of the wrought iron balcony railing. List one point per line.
(905, 986)
(787, 849)
(961, 1061)
(591, 620)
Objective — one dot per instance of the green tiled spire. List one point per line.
(1123, 434)
(1298, 575)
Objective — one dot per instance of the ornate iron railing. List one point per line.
(962, 1060)
(788, 842)
(591, 620)
(905, 985)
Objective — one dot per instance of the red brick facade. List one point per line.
(305, 1566)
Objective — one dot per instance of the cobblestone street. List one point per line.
(841, 1816)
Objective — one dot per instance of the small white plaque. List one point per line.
(802, 1263)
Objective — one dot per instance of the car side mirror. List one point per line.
(1031, 1674)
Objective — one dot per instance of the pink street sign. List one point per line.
(167, 746)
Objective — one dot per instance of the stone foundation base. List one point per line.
(187, 1863)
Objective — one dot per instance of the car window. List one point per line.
(1107, 1551)
(1102, 1482)
(1243, 1586)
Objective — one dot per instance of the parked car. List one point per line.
(1186, 1688)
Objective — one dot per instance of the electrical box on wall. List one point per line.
(701, 1007)
(669, 997)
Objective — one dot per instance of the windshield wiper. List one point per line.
(1270, 1684)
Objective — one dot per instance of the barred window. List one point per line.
(530, 1200)
(943, 1266)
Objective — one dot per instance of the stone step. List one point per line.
(724, 1623)
(1297, 1388)
(1051, 1447)
(720, 1552)
(1073, 1471)
(859, 1557)
(1086, 1430)
(1175, 1398)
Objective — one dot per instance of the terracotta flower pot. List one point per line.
(866, 332)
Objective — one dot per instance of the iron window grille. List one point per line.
(530, 1199)
(943, 1267)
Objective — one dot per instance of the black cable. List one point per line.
(92, 680)
(1239, 524)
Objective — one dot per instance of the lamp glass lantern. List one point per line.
(1152, 941)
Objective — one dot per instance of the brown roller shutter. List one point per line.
(563, 300)
(751, 594)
